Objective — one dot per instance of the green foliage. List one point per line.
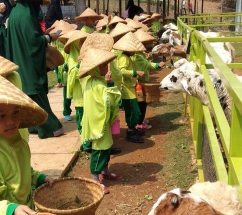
(155, 27)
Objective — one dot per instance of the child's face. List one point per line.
(9, 120)
(90, 21)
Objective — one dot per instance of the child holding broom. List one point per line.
(17, 110)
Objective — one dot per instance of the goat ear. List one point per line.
(174, 201)
(185, 86)
(185, 191)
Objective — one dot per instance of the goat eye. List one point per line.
(189, 79)
(173, 79)
(201, 83)
(174, 201)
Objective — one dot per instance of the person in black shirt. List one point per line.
(54, 13)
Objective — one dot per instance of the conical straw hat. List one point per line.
(139, 18)
(128, 20)
(143, 36)
(135, 25)
(93, 58)
(156, 16)
(63, 38)
(121, 29)
(101, 23)
(77, 35)
(148, 21)
(97, 41)
(88, 13)
(30, 113)
(130, 43)
(144, 27)
(117, 19)
(52, 26)
(64, 27)
(53, 57)
(7, 67)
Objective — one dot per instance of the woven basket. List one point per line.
(151, 91)
(62, 198)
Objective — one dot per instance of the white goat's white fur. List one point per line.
(220, 195)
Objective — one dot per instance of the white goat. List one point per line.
(217, 198)
(185, 79)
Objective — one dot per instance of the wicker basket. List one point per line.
(151, 91)
(74, 196)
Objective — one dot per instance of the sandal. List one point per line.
(111, 176)
(105, 189)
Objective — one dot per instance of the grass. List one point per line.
(52, 80)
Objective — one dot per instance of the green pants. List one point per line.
(66, 103)
(99, 160)
(132, 112)
(52, 123)
(79, 115)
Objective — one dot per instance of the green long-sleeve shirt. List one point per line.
(142, 64)
(16, 175)
(125, 65)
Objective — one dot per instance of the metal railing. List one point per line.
(227, 149)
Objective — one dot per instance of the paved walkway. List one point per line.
(53, 156)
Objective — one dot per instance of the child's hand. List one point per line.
(23, 209)
(140, 73)
(162, 64)
(49, 180)
(2, 8)
(79, 59)
(108, 77)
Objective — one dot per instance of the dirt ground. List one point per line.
(159, 164)
(164, 161)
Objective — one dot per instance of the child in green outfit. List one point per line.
(17, 177)
(101, 99)
(141, 63)
(89, 17)
(129, 44)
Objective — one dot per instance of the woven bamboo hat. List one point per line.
(88, 13)
(144, 27)
(64, 27)
(156, 16)
(53, 57)
(121, 29)
(130, 43)
(144, 36)
(117, 19)
(7, 67)
(149, 21)
(63, 38)
(52, 26)
(77, 35)
(101, 23)
(31, 114)
(93, 58)
(134, 24)
(128, 20)
(97, 41)
(139, 18)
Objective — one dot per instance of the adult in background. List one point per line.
(132, 10)
(190, 7)
(54, 13)
(5, 9)
(26, 48)
(184, 6)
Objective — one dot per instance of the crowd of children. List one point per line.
(101, 70)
